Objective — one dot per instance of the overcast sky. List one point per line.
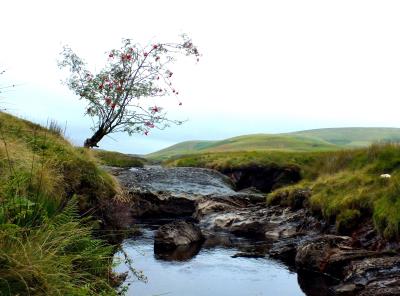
(267, 66)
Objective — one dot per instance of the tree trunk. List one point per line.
(95, 139)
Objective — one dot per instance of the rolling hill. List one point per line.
(308, 140)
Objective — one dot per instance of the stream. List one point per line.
(233, 260)
(212, 271)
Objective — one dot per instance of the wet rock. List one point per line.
(178, 182)
(175, 192)
(314, 255)
(371, 277)
(147, 205)
(249, 222)
(177, 233)
(248, 255)
(206, 206)
(286, 249)
(329, 254)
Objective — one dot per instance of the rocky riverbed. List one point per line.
(360, 264)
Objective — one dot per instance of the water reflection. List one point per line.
(182, 253)
(209, 270)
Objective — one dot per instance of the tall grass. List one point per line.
(46, 247)
(57, 257)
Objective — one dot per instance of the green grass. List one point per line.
(46, 248)
(348, 190)
(259, 142)
(304, 141)
(116, 159)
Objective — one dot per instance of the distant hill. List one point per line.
(308, 140)
(352, 136)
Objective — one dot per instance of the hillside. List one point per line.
(352, 137)
(302, 141)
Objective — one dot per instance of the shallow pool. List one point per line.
(212, 271)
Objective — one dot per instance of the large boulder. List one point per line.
(177, 233)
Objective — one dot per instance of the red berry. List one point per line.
(111, 55)
(180, 103)
(155, 46)
(145, 54)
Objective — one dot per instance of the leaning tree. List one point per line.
(115, 95)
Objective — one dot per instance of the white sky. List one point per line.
(267, 66)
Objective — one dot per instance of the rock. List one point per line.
(176, 192)
(208, 205)
(330, 254)
(177, 233)
(372, 276)
(150, 205)
(314, 255)
(248, 255)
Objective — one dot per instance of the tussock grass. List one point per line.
(347, 189)
(46, 247)
(59, 257)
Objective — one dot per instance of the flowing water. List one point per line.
(204, 272)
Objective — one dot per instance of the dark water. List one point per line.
(212, 271)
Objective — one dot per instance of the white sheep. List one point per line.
(385, 176)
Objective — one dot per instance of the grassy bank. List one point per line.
(46, 246)
(116, 159)
(346, 188)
